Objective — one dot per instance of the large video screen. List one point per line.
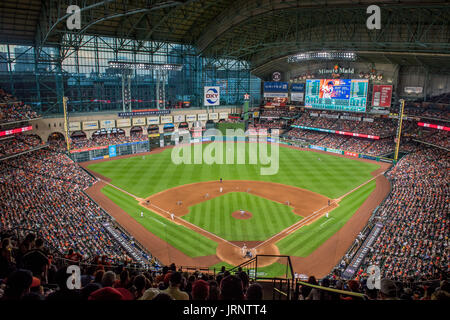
(337, 94)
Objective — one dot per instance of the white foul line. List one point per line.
(316, 213)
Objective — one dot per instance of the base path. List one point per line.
(305, 203)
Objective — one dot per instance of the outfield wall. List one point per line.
(111, 151)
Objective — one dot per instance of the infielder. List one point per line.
(172, 215)
(142, 214)
(242, 212)
(221, 189)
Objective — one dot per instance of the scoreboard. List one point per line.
(337, 94)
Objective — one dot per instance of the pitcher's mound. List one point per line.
(238, 215)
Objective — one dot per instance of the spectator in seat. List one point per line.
(174, 287)
(63, 293)
(214, 293)
(139, 284)
(200, 290)
(254, 292)
(231, 288)
(36, 260)
(388, 290)
(17, 285)
(7, 261)
(108, 279)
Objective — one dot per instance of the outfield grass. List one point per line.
(190, 242)
(145, 175)
(268, 217)
(304, 241)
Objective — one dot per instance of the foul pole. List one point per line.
(66, 125)
(399, 129)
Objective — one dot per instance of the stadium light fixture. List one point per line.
(322, 55)
(145, 66)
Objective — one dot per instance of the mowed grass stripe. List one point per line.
(268, 217)
(304, 241)
(331, 176)
(182, 238)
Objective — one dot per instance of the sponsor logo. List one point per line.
(212, 95)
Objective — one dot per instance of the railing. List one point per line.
(299, 283)
(282, 287)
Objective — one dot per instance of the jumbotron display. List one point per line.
(337, 94)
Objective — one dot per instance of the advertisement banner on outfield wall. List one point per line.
(211, 96)
(112, 151)
(178, 118)
(166, 119)
(368, 157)
(316, 147)
(223, 115)
(107, 124)
(333, 150)
(123, 123)
(75, 126)
(152, 120)
(213, 116)
(139, 121)
(351, 154)
(202, 117)
(90, 125)
(191, 117)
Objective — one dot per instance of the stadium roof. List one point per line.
(259, 31)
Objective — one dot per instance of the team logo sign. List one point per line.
(276, 76)
(212, 96)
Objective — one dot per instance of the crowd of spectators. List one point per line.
(333, 141)
(436, 289)
(18, 143)
(105, 140)
(277, 113)
(13, 110)
(380, 147)
(382, 127)
(433, 136)
(32, 274)
(43, 190)
(413, 244)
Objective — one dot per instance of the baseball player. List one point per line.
(326, 215)
(242, 212)
(244, 250)
(207, 195)
(221, 189)
(172, 215)
(142, 214)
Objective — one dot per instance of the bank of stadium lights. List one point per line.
(322, 55)
(145, 66)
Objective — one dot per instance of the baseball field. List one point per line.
(311, 209)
